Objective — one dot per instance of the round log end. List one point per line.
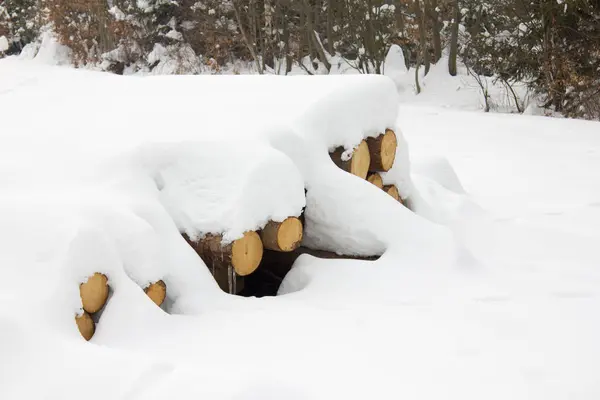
(289, 234)
(94, 292)
(86, 325)
(157, 292)
(383, 151)
(246, 253)
(392, 190)
(389, 143)
(376, 180)
(361, 159)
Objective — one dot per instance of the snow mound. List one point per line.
(439, 169)
(3, 44)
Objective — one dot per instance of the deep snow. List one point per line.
(494, 294)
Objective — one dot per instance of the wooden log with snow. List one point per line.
(157, 292)
(86, 325)
(94, 292)
(358, 162)
(283, 236)
(382, 151)
(243, 254)
(375, 179)
(392, 190)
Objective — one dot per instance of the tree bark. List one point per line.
(422, 35)
(437, 41)
(250, 45)
(454, 40)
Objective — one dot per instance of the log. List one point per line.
(243, 254)
(157, 292)
(86, 325)
(376, 179)
(382, 151)
(392, 190)
(282, 236)
(359, 162)
(94, 292)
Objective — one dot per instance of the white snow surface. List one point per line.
(490, 291)
(3, 44)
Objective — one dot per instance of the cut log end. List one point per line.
(282, 236)
(392, 190)
(157, 292)
(94, 292)
(382, 151)
(361, 159)
(86, 325)
(376, 180)
(246, 253)
(358, 164)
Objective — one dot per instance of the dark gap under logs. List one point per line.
(267, 278)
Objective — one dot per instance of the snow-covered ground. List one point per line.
(492, 294)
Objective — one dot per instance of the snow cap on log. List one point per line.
(382, 150)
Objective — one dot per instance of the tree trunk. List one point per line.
(250, 45)
(382, 151)
(422, 36)
(437, 41)
(312, 36)
(330, 38)
(454, 40)
(357, 164)
(283, 236)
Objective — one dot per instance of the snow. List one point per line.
(489, 291)
(3, 44)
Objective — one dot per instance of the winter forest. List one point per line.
(550, 46)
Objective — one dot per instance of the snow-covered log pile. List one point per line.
(153, 207)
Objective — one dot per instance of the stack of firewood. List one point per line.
(264, 257)
(94, 295)
(370, 158)
(230, 263)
